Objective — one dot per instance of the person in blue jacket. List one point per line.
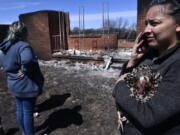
(24, 78)
(147, 92)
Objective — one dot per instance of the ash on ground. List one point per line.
(77, 100)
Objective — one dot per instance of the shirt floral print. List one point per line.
(143, 82)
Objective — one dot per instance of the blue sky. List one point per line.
(125, 9)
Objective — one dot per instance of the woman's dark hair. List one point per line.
(16, 31)
(170, 7)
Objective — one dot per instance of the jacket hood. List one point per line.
(5, 45)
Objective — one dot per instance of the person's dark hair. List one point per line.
(16, 31)
(171, 7)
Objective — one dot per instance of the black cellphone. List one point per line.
(144, 38)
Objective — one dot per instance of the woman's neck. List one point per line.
(165, 47)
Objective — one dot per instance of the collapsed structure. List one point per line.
(49, 32)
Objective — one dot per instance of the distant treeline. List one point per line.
(120, 27)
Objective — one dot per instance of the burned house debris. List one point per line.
(49, 33)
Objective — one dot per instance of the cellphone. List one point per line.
(144, 38)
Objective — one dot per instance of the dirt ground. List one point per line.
(74, 102)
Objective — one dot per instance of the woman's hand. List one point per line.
(138, 50)
(20, 73)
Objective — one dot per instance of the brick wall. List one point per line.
(142, 9)
(94, 42)
(125, 43)
(38, 32)
(42, 26)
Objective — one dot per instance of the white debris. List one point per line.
(108, 61)
(123, 53)
(93, 69)
(96, 69)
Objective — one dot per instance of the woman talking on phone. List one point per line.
(147, 92)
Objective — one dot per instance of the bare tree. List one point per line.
(75, 30)
(119, 26)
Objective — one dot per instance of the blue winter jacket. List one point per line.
(19, 56)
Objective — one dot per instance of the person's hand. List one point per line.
(121, 78)
(20, 73)
(138, 50)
